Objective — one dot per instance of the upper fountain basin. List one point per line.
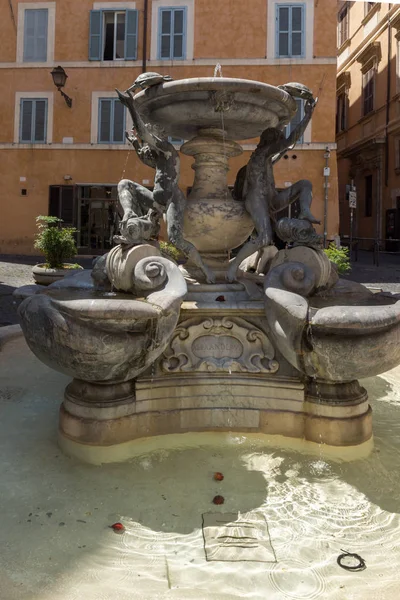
(182, 108)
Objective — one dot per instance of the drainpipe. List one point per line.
(326, 184)
(388, 92)
(144, 54)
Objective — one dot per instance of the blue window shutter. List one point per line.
(40, 121)
(35, 35)
(111, 125)
(118, 122)
(290, 31)
(41, 35)
(131, 29)
(104, 129)
(164, 33)
(296, 120)
(33, 121)
(178, 50)
(25, 130)
(282, 31)
(95, 35)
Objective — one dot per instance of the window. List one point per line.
(368, 196)
(296, 120)
(33, 121)
(368, 91)
(176, 141)
(368, 6)
(35, 35)
(290, 30)
(113, 35)
(111, 129)
(172, 33)
(341, 112)
(61, 203)
(343, 25)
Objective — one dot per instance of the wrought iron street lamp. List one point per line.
(59, 78)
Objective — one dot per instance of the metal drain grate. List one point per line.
(10, 394)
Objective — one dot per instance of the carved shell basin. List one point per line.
(181, 108)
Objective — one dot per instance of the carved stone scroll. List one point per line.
(219, 345)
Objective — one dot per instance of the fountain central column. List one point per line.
(214, 222)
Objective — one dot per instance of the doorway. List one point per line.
(97, 217)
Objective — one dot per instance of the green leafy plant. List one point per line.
(170, 251)
(55, 242)
(340, 257)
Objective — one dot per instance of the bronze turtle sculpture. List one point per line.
(297, 90)
(149, 79)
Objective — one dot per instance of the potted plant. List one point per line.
(58, 245)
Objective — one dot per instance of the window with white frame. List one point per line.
(113, 35)
(172, 33)
(298, 117)
(35, 35)
(111, 126)
(290, 30)
(33, 121)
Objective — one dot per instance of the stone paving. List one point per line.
(16, 271)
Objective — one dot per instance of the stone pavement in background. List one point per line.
(16, 271)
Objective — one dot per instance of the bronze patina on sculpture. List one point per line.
(154, 348)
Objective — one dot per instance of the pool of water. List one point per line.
(56, 543)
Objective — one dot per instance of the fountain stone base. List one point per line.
(219, 372)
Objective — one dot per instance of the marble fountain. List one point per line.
(212, 346)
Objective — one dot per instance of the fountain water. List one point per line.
(171, 353)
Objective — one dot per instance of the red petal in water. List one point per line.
(220, 299)
(218, 500)
(218, 476)
(117, 527)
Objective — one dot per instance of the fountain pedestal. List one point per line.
(214, 222)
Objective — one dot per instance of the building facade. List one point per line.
(368, 121)
(66, 160)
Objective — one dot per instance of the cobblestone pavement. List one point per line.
(17, 271)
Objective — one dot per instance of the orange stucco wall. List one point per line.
(222, 30)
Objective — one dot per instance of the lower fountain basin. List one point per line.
(181, 108)
(336, 335)
(354, 341)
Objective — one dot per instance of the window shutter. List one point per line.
(119, 122)
(41, 35)
(164, 39)
(179, 33)
(297, 33)
(95, 35)
(40, 120)
(131, 28)
(282, 33)
(35, 35)
(298, 117)
(105, 121)
(26, 121)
